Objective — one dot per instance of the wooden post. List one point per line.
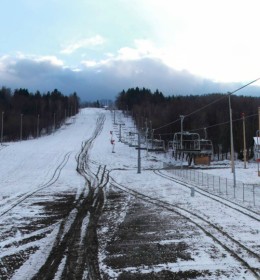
(259, 118)
(244, 139)
(257, 140)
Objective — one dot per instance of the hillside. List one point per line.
(73, 206)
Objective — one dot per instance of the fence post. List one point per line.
(254, 194)
(226, 187)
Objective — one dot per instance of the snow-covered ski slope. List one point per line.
(49, 164)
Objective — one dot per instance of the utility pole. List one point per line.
(54, 122)
(139, 154)
(146, 136)
(2, 127)
(259, 118)
(146, 130)
(182, 118)
(120, 134)
(139, 151)
(151, 127)
(38, 124)
(21, 128)
(205, 133)
(244, 139)
(232, 145)
(257, 152)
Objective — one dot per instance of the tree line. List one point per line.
(25, 115)
(161, 114)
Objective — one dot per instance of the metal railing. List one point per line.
(242, 193)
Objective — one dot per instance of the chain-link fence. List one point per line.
(241, 192)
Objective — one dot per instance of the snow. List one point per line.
(28, 166)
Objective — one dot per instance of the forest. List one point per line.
(29, 115)
(208, 115)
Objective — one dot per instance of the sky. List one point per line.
(98, 48)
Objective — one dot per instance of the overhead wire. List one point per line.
(211, 103)
(223, 123)
(214, 125)
(226, 95)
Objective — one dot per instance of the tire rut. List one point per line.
(75, 253)
(235, 248)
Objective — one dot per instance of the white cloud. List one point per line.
(89, 63)
(4, 61)
(107, 79)
(83, 43)
(212, 39)
(142, 49)
(53, 60)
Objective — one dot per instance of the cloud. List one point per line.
(142, 49)
(53, 60)
(105, 79)
(83, 43)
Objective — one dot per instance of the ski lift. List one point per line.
(192, 147)
(185, 142)
(155, 145)
(133, 141)
(170, 145)
(257, 145)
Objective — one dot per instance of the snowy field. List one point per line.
(221, 233)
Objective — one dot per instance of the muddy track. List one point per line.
(75, 253)
(236, 249)
(13, 203)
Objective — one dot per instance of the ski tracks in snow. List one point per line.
(9, 204)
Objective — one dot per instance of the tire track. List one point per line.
(49, 183)
(241, 253)
(77, 243)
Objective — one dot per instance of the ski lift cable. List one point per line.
(217, 124)
(168, 124)
(223, 123)
(226, 95)
(215, 101)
